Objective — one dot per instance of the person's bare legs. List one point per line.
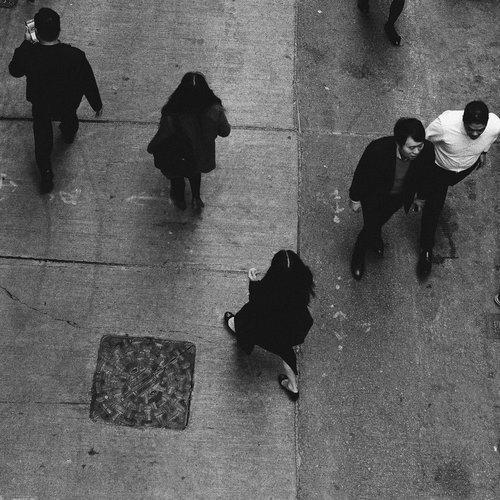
(394, 12)
(290, 382)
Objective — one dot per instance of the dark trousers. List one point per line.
(376, 212)
(441, 179)
(42, 130)
(394, 11)
(178, 186)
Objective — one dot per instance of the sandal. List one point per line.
(293, 396)
(227, 316)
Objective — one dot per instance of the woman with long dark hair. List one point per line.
(277, 316)
(184, 145)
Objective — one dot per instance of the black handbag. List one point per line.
(173, 155)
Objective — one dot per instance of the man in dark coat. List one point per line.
(57, 77)
(392, 172)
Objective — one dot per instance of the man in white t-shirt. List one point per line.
(461, 140)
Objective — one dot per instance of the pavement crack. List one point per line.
(17, 299)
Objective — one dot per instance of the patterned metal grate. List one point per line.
(143, 382)
(8, 4)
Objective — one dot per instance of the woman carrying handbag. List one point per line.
(277, 316)
(184, 145)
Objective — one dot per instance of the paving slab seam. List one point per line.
(148, 123)
(165, 265)
(298, 131)
(333, 133)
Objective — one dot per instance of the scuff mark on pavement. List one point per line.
(341, 317)
(70, 198)
(4, 184)
(454, 478)
(137, 198)
(338, 208)
(449, 227)
(17, 299)
(367, 326)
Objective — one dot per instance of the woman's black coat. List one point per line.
(270, 323)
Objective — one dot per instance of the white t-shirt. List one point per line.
(455, 150)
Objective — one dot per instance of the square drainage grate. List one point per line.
(494, 326)
(143, 382)
(8, 4)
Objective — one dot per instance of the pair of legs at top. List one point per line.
(44, 138)
(394, 12)
(177, 187)
(287, 381)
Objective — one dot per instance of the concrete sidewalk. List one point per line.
(107, 253)
(400, 380)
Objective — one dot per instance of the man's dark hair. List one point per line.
(47, 24)
(476, 112)
(408, 127)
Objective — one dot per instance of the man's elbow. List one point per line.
(15, 72)
(225, 131)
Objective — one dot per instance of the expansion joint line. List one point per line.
(125, 265)
(298, 130)
(148, 123)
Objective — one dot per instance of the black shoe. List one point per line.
(68, 139)
(46, 183)
(363, 6)
(197, 204)
(392, 34)
(378, 247)
(293, 396)
(179, 203)
(357, 263)
(424, 265)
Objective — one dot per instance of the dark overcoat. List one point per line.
(201, 130)
(271, 324)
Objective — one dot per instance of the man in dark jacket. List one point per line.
(393, 172)
(57, 77)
